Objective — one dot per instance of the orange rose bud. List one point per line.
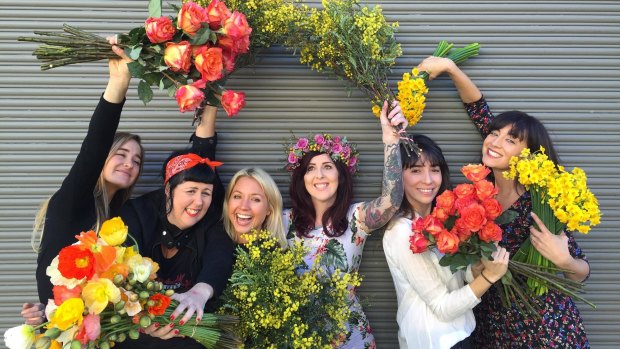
(217, 13)
(233, 102)
(237, 30)
(485, 189)
(490, 232)
(432, 225)
(473, 217)
(209, 62)
(191, 18)
(417, 226)
(476, 172)
(447, 242)
(418, 243)
(178, 56)
(159, 29)
(464, 190)
(492, 208)
(229, 58)
(446, 201)
(189, 98)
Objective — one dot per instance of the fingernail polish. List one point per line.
(171, 324)
(156, 324)
(172, 317)
(181, 322)
(198, 320)
(176, 331)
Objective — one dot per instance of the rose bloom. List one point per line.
(233, 102)
(461, 203)
(464, 190)
(441, 214)
(178, 56)
(209, 62)
(460, 230)
(418, 243)
(433, 225)
(217, 12)
(417, 226)
(236, 33)
(292, 158)
(189, 98)
(191, 18)
(490, 232)
(229, 59)
(476, 172)
(447, 242)
(446, 201)
(485, 189)
(301, 143)
(474, 217)
(235, 46)
(159, 29)
(492, 207)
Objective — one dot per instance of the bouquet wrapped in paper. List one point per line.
(280, 307)
(189, 55)
(105, 293)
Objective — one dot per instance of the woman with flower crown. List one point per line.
(434, 305)
(323, 216)
(505, 135)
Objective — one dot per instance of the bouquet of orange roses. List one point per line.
(105, 293)
(189, 55)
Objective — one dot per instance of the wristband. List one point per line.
(484, 277)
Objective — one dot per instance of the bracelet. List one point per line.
(484, 277)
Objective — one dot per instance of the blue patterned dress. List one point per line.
(497, 327)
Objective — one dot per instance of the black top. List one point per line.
(71, 209)
(205, 251)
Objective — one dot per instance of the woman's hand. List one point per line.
(392, 121)
(495, 269)
(435, 66)
(119, 74)
(192, 301)
(33, 313)
(551, 246)
(162, 331)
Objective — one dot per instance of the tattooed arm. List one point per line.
(374, 214)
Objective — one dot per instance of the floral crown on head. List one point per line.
(338, 148)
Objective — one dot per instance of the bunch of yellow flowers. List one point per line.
(278, 305)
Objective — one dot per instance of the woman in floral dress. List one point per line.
(332, 228)
(560, 324)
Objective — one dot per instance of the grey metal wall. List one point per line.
(557, 60)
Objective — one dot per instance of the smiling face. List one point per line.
(190, 202)
(122, 168)
(499, 146)
(247, 207)
(321, 180)
(422, 183)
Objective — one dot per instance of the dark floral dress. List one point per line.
(496, 327)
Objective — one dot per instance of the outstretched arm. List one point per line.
(435, 66)
(376, 213)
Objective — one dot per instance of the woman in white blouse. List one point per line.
(434, 305)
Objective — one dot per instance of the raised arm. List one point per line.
(374, 214)
(435, 66)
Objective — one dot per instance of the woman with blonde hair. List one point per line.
(253, 201)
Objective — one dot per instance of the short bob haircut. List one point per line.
(303, 209)
(432, 153)
(273, 221)
(526, 128)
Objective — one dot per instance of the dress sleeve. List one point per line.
(217, 259)
(576, 251)
(422, 274)
(204, 147)
(480, 115)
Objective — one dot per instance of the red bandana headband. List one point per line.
(185, 162)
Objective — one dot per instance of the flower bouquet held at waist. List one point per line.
(464, 226)
(189, 55)
(106, 293)
(282, 304)
(356, 44)
(560, 199)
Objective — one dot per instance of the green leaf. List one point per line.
(155, 8)
(136, 69)
(172, 91)
(449, 223)
(334, 256)
(152, 78)
(201, 37)
(506, 217)
(136, 35)
(165, 82)
(144, 92)
(135, 52)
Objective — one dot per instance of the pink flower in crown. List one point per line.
(292, 158)
(346, 151)
(337, 148)
(302, 143)
(319, 139)
(337, 139)
(352, 161)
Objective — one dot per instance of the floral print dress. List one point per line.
(344, 253)
(561, 325)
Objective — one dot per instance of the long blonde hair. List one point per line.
(273, 222)
(102, 208)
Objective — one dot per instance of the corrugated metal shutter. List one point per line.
(556, 59)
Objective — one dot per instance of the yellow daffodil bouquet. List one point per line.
(106, 293)
(278, 305)
(561, 199)
(357, 44)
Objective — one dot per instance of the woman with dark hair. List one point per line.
(323, 216)
(434, 305)
(179, 226)
(505, 135)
